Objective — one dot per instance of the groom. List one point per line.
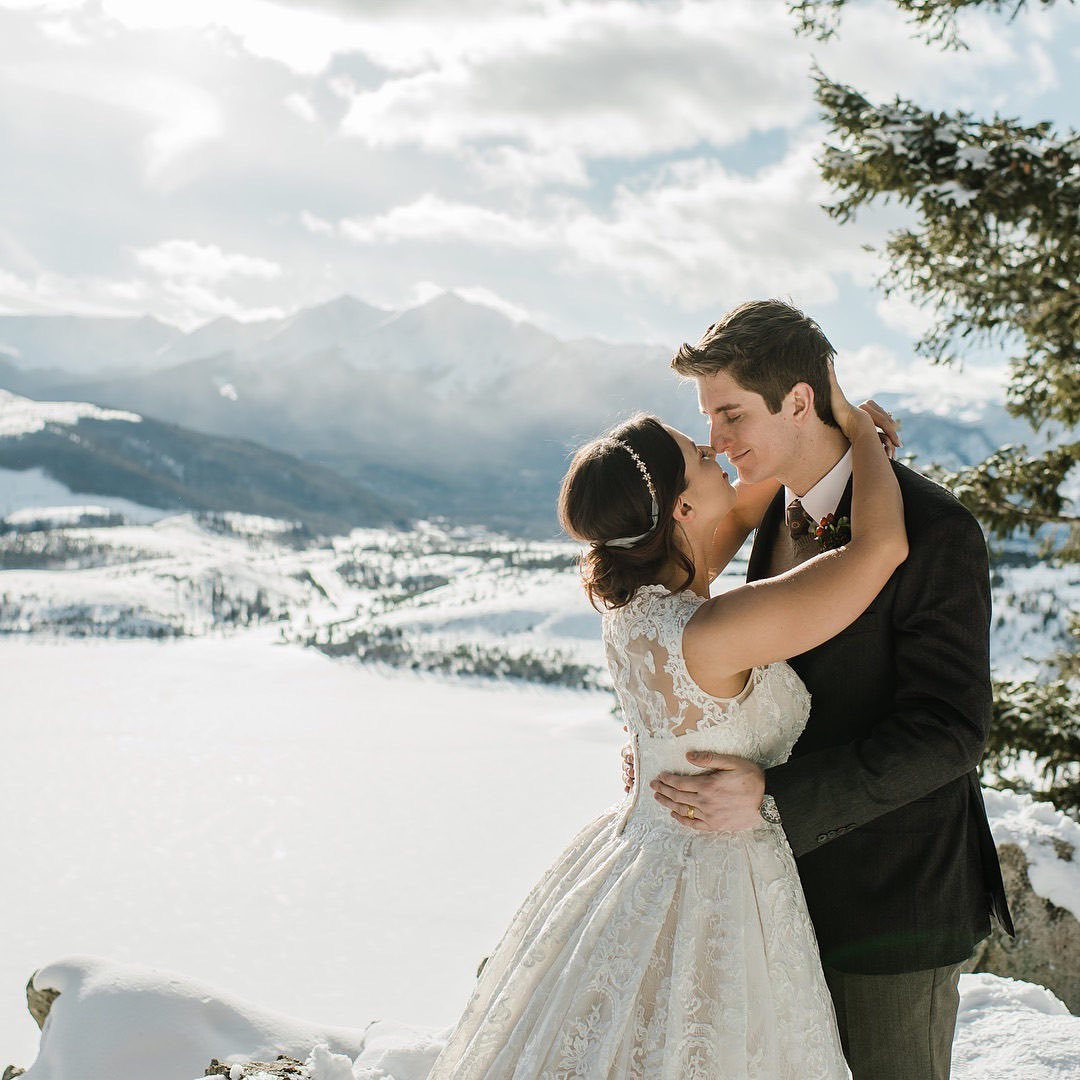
(880, 800)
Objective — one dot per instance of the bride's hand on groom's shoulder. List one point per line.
(850, 417)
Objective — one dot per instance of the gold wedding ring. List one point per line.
(690, 811)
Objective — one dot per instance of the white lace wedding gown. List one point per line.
(649, 949)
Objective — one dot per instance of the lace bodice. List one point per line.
(668, 714)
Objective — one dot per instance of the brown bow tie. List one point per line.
(799, 522)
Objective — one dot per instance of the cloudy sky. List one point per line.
(619, 168)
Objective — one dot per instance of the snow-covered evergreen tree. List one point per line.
(994, 254)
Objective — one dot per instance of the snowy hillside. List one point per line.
(21, 416)
(436, 598)
(118, 454)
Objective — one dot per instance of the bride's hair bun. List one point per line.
(604, 496)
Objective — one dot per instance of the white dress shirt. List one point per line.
(824, 496)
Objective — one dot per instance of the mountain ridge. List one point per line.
(159, 464)
(450, 405)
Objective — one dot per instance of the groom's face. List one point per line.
(758, 443)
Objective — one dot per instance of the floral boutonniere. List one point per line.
(832, 532)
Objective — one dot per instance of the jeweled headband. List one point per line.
(630, 541)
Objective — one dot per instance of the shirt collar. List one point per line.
(824, 497)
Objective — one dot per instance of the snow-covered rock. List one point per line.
(1010, 1029)
(112, 1020)
(1039, 849)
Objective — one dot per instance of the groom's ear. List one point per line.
(802, 401)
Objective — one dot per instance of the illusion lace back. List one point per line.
(650, 950)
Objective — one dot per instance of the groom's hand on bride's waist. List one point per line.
(725, 799)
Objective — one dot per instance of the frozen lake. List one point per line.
(320, 838)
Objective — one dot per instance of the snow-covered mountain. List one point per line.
(450, 405)
(216, 338)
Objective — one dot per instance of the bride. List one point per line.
(652, 948)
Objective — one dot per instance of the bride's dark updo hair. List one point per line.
(604, 496)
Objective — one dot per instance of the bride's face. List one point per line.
(708, 490)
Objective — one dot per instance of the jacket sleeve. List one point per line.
(939, 718)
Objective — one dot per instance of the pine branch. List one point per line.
(1010, 491)
(936, 20)
(995, 253)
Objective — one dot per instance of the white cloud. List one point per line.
(422, 292)
(695, 234)
(193, 302)
(203, 262)
(302, 107)
(702, 232)
(64, 31)
(946, 390)
(1043, 67)
(480, 294)
(183, 115)
(302, 39)
(316, 224)
(45, 6)
(899, 312)
(613, 79)
(499, 166)
(624, 79)
(47, 293)
(434, 219)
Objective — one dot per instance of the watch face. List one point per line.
(769, 811)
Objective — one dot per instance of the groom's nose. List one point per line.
(717, 439)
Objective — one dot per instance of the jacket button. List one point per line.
(822, 838)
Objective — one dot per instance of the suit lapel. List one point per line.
(758, 565)
(843, 507)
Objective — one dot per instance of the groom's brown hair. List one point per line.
(766, 346)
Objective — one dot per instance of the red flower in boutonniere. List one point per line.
(832, 532)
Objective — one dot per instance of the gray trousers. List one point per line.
(897, 1027)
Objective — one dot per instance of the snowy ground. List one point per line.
(1006, 1030)
(300, 831)
(302, 834)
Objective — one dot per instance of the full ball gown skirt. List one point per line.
(649, 949)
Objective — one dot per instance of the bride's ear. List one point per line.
(683, 512)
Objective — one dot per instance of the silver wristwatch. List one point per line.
(769, 811)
